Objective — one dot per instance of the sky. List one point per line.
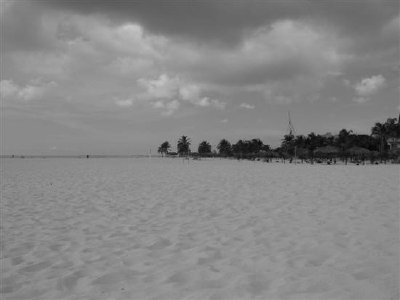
(121, 77)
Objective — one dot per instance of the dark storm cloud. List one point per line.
(22, 28)
(227, 21)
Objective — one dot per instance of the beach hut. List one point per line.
(326, 152)
(359, 153)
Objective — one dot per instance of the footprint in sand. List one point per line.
(213, 254)
(257, 284)
(69, 282)
(9, 285)
(160, 244)
(179, 278)
(15, 261)
(20, 250)
(116, 277)
(36, 267)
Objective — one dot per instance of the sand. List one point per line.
(210, 229)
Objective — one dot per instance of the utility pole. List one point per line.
(292, 133)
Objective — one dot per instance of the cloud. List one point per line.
(368, 87)
(226, 25)
(191, 93)
(224, 121)
(168, 107)
(166, 88)
(161, 87)
(247, 106)
(130, 65)
(289, 60)
(284, 54)
(35, 90)
(361, 100)
(281, 51)
(8, 88)
(124, 103)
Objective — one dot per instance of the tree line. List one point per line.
(304, 147)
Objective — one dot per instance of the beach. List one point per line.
(163, 228)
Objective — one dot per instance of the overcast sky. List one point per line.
(121, 77)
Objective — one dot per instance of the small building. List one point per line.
(394, 143)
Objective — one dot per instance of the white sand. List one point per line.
(217, 229)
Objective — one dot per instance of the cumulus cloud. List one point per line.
(191, 93)
(92, 55)
(166, 88)
(169, 107)
(35, 90)
(277, 60)
(124, 103)
(281, 51)
(162, 87)
(368, 87)
(216, 22)
(130, 65)
(8, 88)
(247, 106)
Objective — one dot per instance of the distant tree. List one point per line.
(164, 147)
(224, 148)
(204, 148)
(239, 148)
(183, 145)
(380, 131)
(365, 141)
(300, 141)
(392, 127)
(288, 144)
(344, 140)
(314, 141)
(255, 145)
(266, 148)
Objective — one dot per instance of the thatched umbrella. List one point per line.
(374, 153)
(327, 151)
(358, 151)
(394, 152)
(301, 152)
(271, 153)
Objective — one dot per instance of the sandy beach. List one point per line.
(209, 229)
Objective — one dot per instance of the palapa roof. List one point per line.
(327, 150)
(358, 150)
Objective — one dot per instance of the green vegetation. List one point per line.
(204, 148)
(164, 148)
(184, 146)
(383, 143)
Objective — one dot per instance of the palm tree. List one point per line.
(239, 148)
(204, 148)
(380, 130)
(256, 145)
(392, 127)
(183, 145)
(288, 143)
(164, 147)
(224, 148)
